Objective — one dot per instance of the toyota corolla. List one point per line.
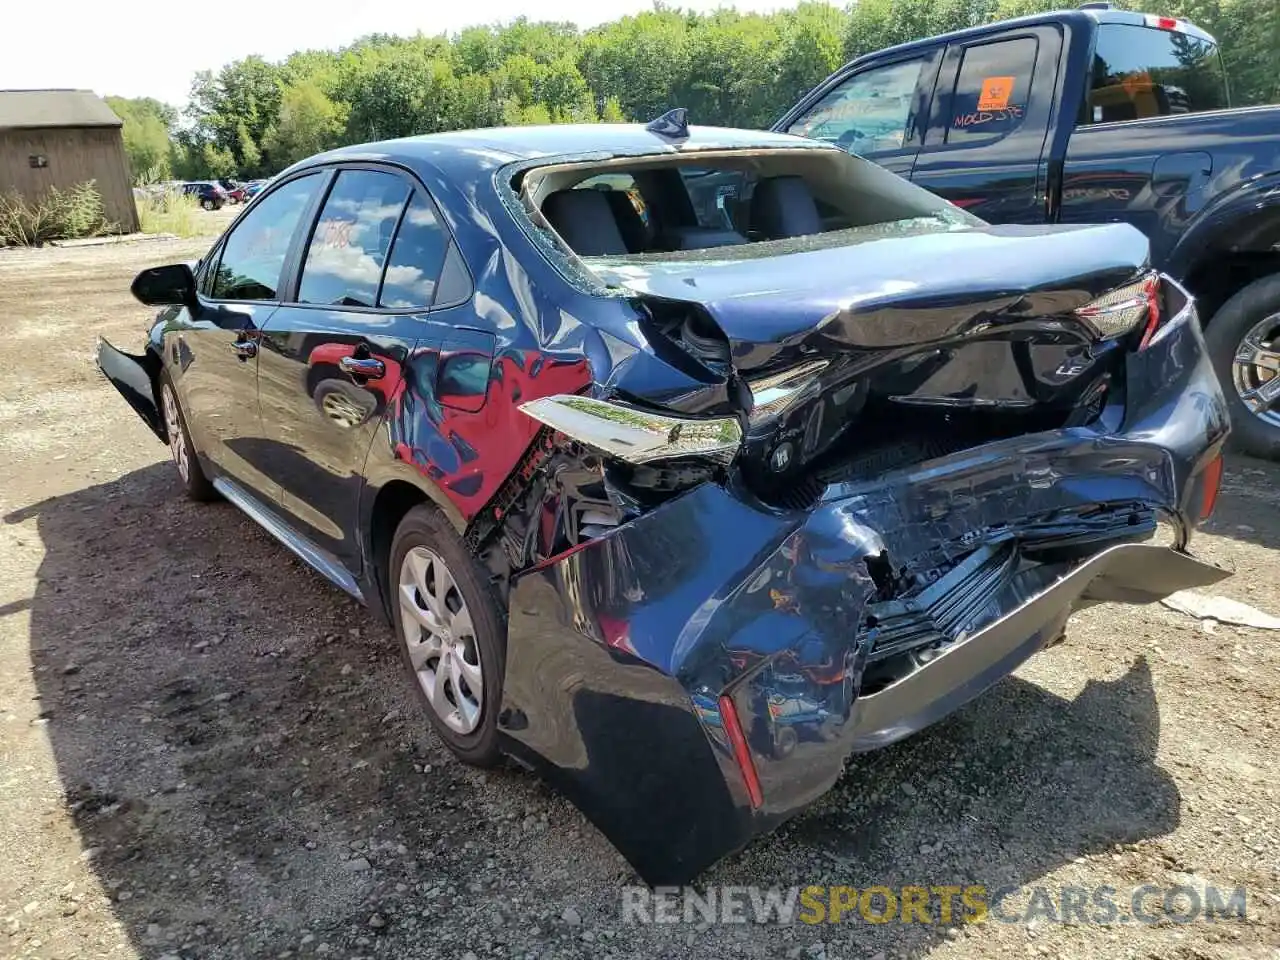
(685, 462)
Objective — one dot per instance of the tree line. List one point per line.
(253, 117)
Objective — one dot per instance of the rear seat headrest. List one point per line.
(585, 221)
(783, 207)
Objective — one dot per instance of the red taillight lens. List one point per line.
(741, 752)
(1166, 23)
(1210, 484)
(1151, 290)
(1124, 310)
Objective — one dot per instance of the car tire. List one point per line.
(181, 450)
(207, 204)
(1253, 314)
(448, 655)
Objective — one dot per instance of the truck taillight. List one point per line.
(1125, 310)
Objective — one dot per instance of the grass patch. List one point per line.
(169, 211)
(58, 215)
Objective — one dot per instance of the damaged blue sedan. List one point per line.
(685, 462)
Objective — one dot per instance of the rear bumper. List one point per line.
(135, 377)
(1135, 573)
(619, 652)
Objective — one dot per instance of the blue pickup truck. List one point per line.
(1085, 116)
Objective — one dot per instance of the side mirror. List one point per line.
(163, 286)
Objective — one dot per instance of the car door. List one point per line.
(214, 348)
(333, 356)
(985, 146)
(878, 111)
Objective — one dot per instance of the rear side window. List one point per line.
(413, 267)
(992, 90)
(1145, 72)
(254, 253)
(349, 245)
(867, 113)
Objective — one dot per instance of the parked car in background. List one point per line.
(1087, 116)
(210, 195)
(234, 189)
(253, 188)
(675, 509)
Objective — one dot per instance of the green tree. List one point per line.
(876, 24)
(638, 60)
(398, 90)
(812, 49)
(236, 108)
(309, 123)
(146, 132)
(252, 116)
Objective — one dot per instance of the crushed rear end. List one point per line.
(981, 431)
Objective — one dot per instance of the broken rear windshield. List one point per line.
(726, 206)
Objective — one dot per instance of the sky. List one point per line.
(152, 48)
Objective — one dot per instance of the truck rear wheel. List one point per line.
(1244, 344)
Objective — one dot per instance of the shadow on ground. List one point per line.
(237, 750)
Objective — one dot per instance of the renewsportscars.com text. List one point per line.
(942, 904)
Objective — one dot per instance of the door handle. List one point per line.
(245, 349)
(362, 367)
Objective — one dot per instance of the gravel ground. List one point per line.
(206, 751)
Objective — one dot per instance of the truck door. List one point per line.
(877, 111)
(1124, 163)
(984, 149)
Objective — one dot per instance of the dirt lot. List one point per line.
(205, 750)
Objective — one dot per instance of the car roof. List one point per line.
(1079, 16)
(482, 149)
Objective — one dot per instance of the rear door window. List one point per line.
(1143, 72)
(416, 258)
(993, 87)
(868, 113)
(349, 244)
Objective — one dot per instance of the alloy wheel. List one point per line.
(438, 632)
(1255, 372)
(177, 439)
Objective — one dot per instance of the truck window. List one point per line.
(867, 113)
(1143, 72)
(992, 89)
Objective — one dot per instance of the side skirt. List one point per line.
(319, 560)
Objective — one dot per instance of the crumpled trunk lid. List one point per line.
(917, 327)
(876, 290)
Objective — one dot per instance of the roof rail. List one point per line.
(1097, 5)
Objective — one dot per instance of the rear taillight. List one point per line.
(1162, 23)
(635, 435)
(1126, 310)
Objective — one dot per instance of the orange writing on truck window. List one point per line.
(995, 93)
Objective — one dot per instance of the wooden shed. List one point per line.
(59, 138)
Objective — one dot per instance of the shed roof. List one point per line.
(54, 108)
